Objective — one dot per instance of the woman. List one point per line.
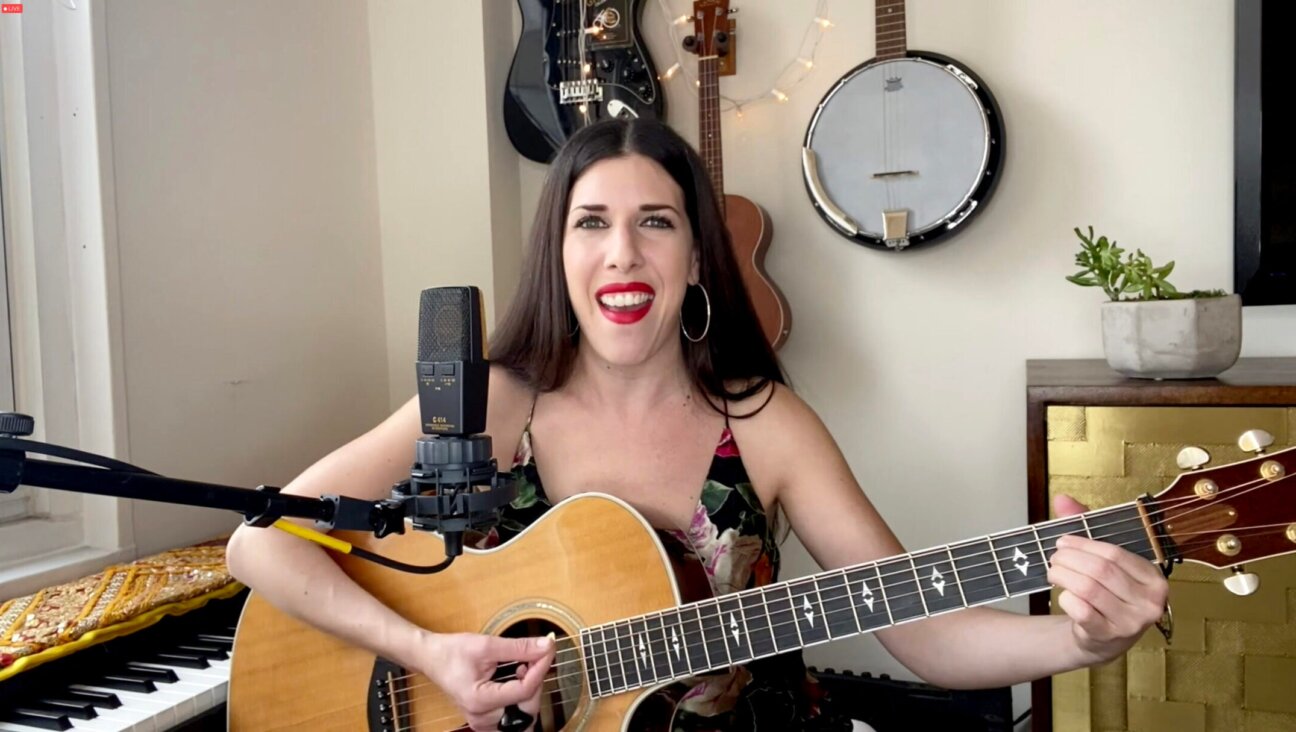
(631, 363)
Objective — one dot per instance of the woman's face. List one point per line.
(628, 258)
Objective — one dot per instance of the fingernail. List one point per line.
(545, 641)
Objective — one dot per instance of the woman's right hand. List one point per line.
(463, 665)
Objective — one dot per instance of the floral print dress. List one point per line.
(733, 538)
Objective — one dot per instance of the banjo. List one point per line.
(905, 147)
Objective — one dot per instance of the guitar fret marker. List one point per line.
(808, 611)
(733, 626)
(1020, 561)
(867, 595)
(643, 652)
(675, 643)
(938, 581)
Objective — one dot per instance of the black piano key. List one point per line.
(37, 718)
(183, 660)
(104, 699)
(70, 709)
(125, 683)
(69, 700)
(208, 652)
(156, 673)
(223, 641)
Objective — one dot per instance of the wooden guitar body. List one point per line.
(751, 231)
(590, 560)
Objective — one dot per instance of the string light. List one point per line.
(792, 74)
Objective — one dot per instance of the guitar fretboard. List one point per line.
(732, 629)
(709, 123)
(890, 29)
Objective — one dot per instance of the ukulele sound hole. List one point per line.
(564, 685)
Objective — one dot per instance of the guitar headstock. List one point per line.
(1231, 514)
(711, 25)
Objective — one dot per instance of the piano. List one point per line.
(173, 675)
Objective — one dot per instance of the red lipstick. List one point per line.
(625, 315)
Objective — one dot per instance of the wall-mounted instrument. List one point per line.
(905, 147)
(576, 62)
(749, 226)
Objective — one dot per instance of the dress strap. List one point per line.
(534, 396)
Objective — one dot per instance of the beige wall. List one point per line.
(449, 207)
(263, 152)
(246, 209)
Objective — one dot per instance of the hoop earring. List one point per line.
(707, 328)
(574, 330)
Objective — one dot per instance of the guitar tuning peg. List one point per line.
(1191, 458)
(1255, 441)
(1242, 582)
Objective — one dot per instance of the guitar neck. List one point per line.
(709, 122)
(786, 616)
(890, 29)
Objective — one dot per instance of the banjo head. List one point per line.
(918, 138)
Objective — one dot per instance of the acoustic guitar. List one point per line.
(576, 62)
(593, 571)
(749, 226)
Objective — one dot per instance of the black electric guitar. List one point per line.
(576, 62)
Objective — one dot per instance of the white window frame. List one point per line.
(62, 281)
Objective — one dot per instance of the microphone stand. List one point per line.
(452, 489)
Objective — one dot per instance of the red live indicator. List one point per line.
(11, 8)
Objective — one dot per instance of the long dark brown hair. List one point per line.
(537, 338)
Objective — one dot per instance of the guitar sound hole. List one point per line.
(564, 685)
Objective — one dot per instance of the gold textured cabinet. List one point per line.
(1105, 439)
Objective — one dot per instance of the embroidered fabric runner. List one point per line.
(121, 599)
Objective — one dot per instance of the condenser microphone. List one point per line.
(452, 368)
(454, 483)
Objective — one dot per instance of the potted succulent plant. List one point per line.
(1150, 329)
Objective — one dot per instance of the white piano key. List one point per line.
(139, 708)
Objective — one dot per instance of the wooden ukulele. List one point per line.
(749, 226)
(593, 571)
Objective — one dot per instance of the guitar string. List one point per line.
(607, 655)
(560, 677)
(884, 578)
(401, 706)
(876, 565)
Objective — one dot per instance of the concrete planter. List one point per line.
(1193, 338)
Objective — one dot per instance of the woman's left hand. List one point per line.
(1110, 594)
